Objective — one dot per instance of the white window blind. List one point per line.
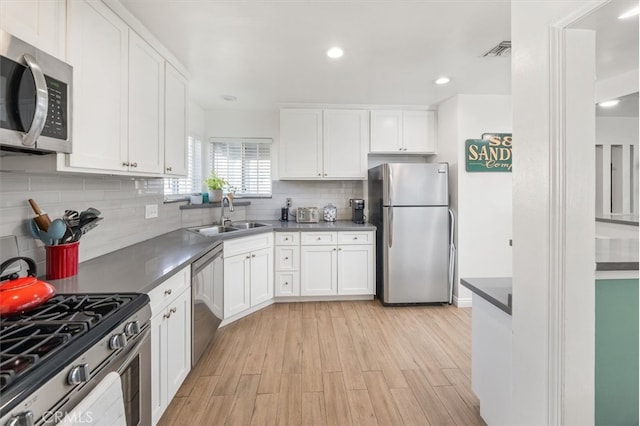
(193, 182)
(244, 163)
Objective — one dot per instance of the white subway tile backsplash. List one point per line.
(122, 202)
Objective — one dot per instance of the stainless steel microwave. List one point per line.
(35, 99)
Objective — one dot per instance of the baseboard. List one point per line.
(462, 302)
(243, 314)
(287, 299)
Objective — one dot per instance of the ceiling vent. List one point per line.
(502, 49)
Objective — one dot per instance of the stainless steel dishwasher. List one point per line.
(206, 300)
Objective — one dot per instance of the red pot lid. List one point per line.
(22, 294)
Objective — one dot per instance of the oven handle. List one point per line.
(42, 103)
(133, 352)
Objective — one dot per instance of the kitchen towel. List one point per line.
(104, 406)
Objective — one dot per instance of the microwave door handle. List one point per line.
(42, 103)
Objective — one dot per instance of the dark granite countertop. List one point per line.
(622, 219)
(496, 291)
(340, 225)
(141, 267)
(616, 254)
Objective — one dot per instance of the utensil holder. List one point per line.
(62, 260)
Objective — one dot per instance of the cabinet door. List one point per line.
(386, 131)
(345, 144)
(158, 366)
(300, 143)
(236, 284)
(419, 132)
(98, 52)
(355, 269)
(261, 276)
(37, 22)
(178, 342)
(318, 272)
(175, 122)
(146, 107)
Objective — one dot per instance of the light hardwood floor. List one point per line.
(334, 363)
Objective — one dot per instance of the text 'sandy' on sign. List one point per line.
(492, 153)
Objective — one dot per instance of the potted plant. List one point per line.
(215, 185)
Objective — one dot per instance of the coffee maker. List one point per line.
(357, 210)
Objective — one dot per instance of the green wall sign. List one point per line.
(492, 153)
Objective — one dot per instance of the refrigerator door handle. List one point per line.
(389, 186)
(390, 227)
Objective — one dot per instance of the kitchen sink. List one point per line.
(214, 230)
(248, 225)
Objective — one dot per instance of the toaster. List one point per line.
(307, 215)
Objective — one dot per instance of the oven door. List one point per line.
(98, 399)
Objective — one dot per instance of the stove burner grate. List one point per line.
(27, 340)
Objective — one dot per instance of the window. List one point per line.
(193, 182)
(244, 163)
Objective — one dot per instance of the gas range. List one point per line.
(50, 354)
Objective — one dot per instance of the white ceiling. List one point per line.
(267, 52)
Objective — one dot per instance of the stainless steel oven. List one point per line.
(35, 99)
(207, 300)
(96, 338)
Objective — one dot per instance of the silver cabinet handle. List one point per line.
(286, 238)
(325, 174)
(355, 238)
(169, 169)
(167, 316)
(167, 292)
(253, 255)
(248, 257)
(318, 238)
(405, 149)
(42, 103)
(125, 163)
(334, 249)
(286, 258)
(134, 164)
(319, 174)
(399, 149)
(173, 310)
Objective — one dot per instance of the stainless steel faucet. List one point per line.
(225, 220)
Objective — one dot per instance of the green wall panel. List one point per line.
(616, 352)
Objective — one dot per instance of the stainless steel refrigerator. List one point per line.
(409, 205)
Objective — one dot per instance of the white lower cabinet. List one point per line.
(337, 263)
(248, 273)
(287, 260)
(319, 271)
(170, 339)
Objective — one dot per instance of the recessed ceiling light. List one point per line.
(230, 98)
(609, 104)
(335, 53)
(630, 13)
(442, 80)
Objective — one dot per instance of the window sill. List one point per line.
(213, 205)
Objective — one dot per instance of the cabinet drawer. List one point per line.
(169, 290)
(248, 244)
(361, 237)
(287, 258)
(287, 238)
(319, 238)
(287, 283)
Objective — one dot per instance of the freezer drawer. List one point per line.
(415, 254)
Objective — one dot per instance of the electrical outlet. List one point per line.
(151, 211)
(289, 202)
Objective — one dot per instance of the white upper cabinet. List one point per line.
(38, 22)
(98, 52)
(146, 107)
(175, 122)
(403, 132)
(345, 144)
(300, 144)
(329, 144)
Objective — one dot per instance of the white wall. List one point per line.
(540, 393)
(482, 201)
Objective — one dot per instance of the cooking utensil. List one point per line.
(72, 217)
(42, 219)
(88, 226)
(56, 230)
(21, 294)
(37, 233)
